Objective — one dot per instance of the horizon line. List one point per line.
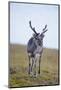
(26, 45)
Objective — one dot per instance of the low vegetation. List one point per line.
(18, 67)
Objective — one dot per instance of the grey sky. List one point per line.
(39, 14)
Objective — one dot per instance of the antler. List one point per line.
(44, 29)
(33, 28)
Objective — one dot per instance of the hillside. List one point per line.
(18, 67)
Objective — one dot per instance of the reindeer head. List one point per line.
(38, 36)
(35, 33)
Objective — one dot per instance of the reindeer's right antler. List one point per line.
(33, 28)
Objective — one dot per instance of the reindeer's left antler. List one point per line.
(44, 29)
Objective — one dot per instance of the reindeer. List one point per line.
(34, 50)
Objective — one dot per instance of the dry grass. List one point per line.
(18, 68)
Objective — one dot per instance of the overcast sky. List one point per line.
(21, 14)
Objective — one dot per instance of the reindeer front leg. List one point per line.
(29, 65)
(36, 65)
(39, 64)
